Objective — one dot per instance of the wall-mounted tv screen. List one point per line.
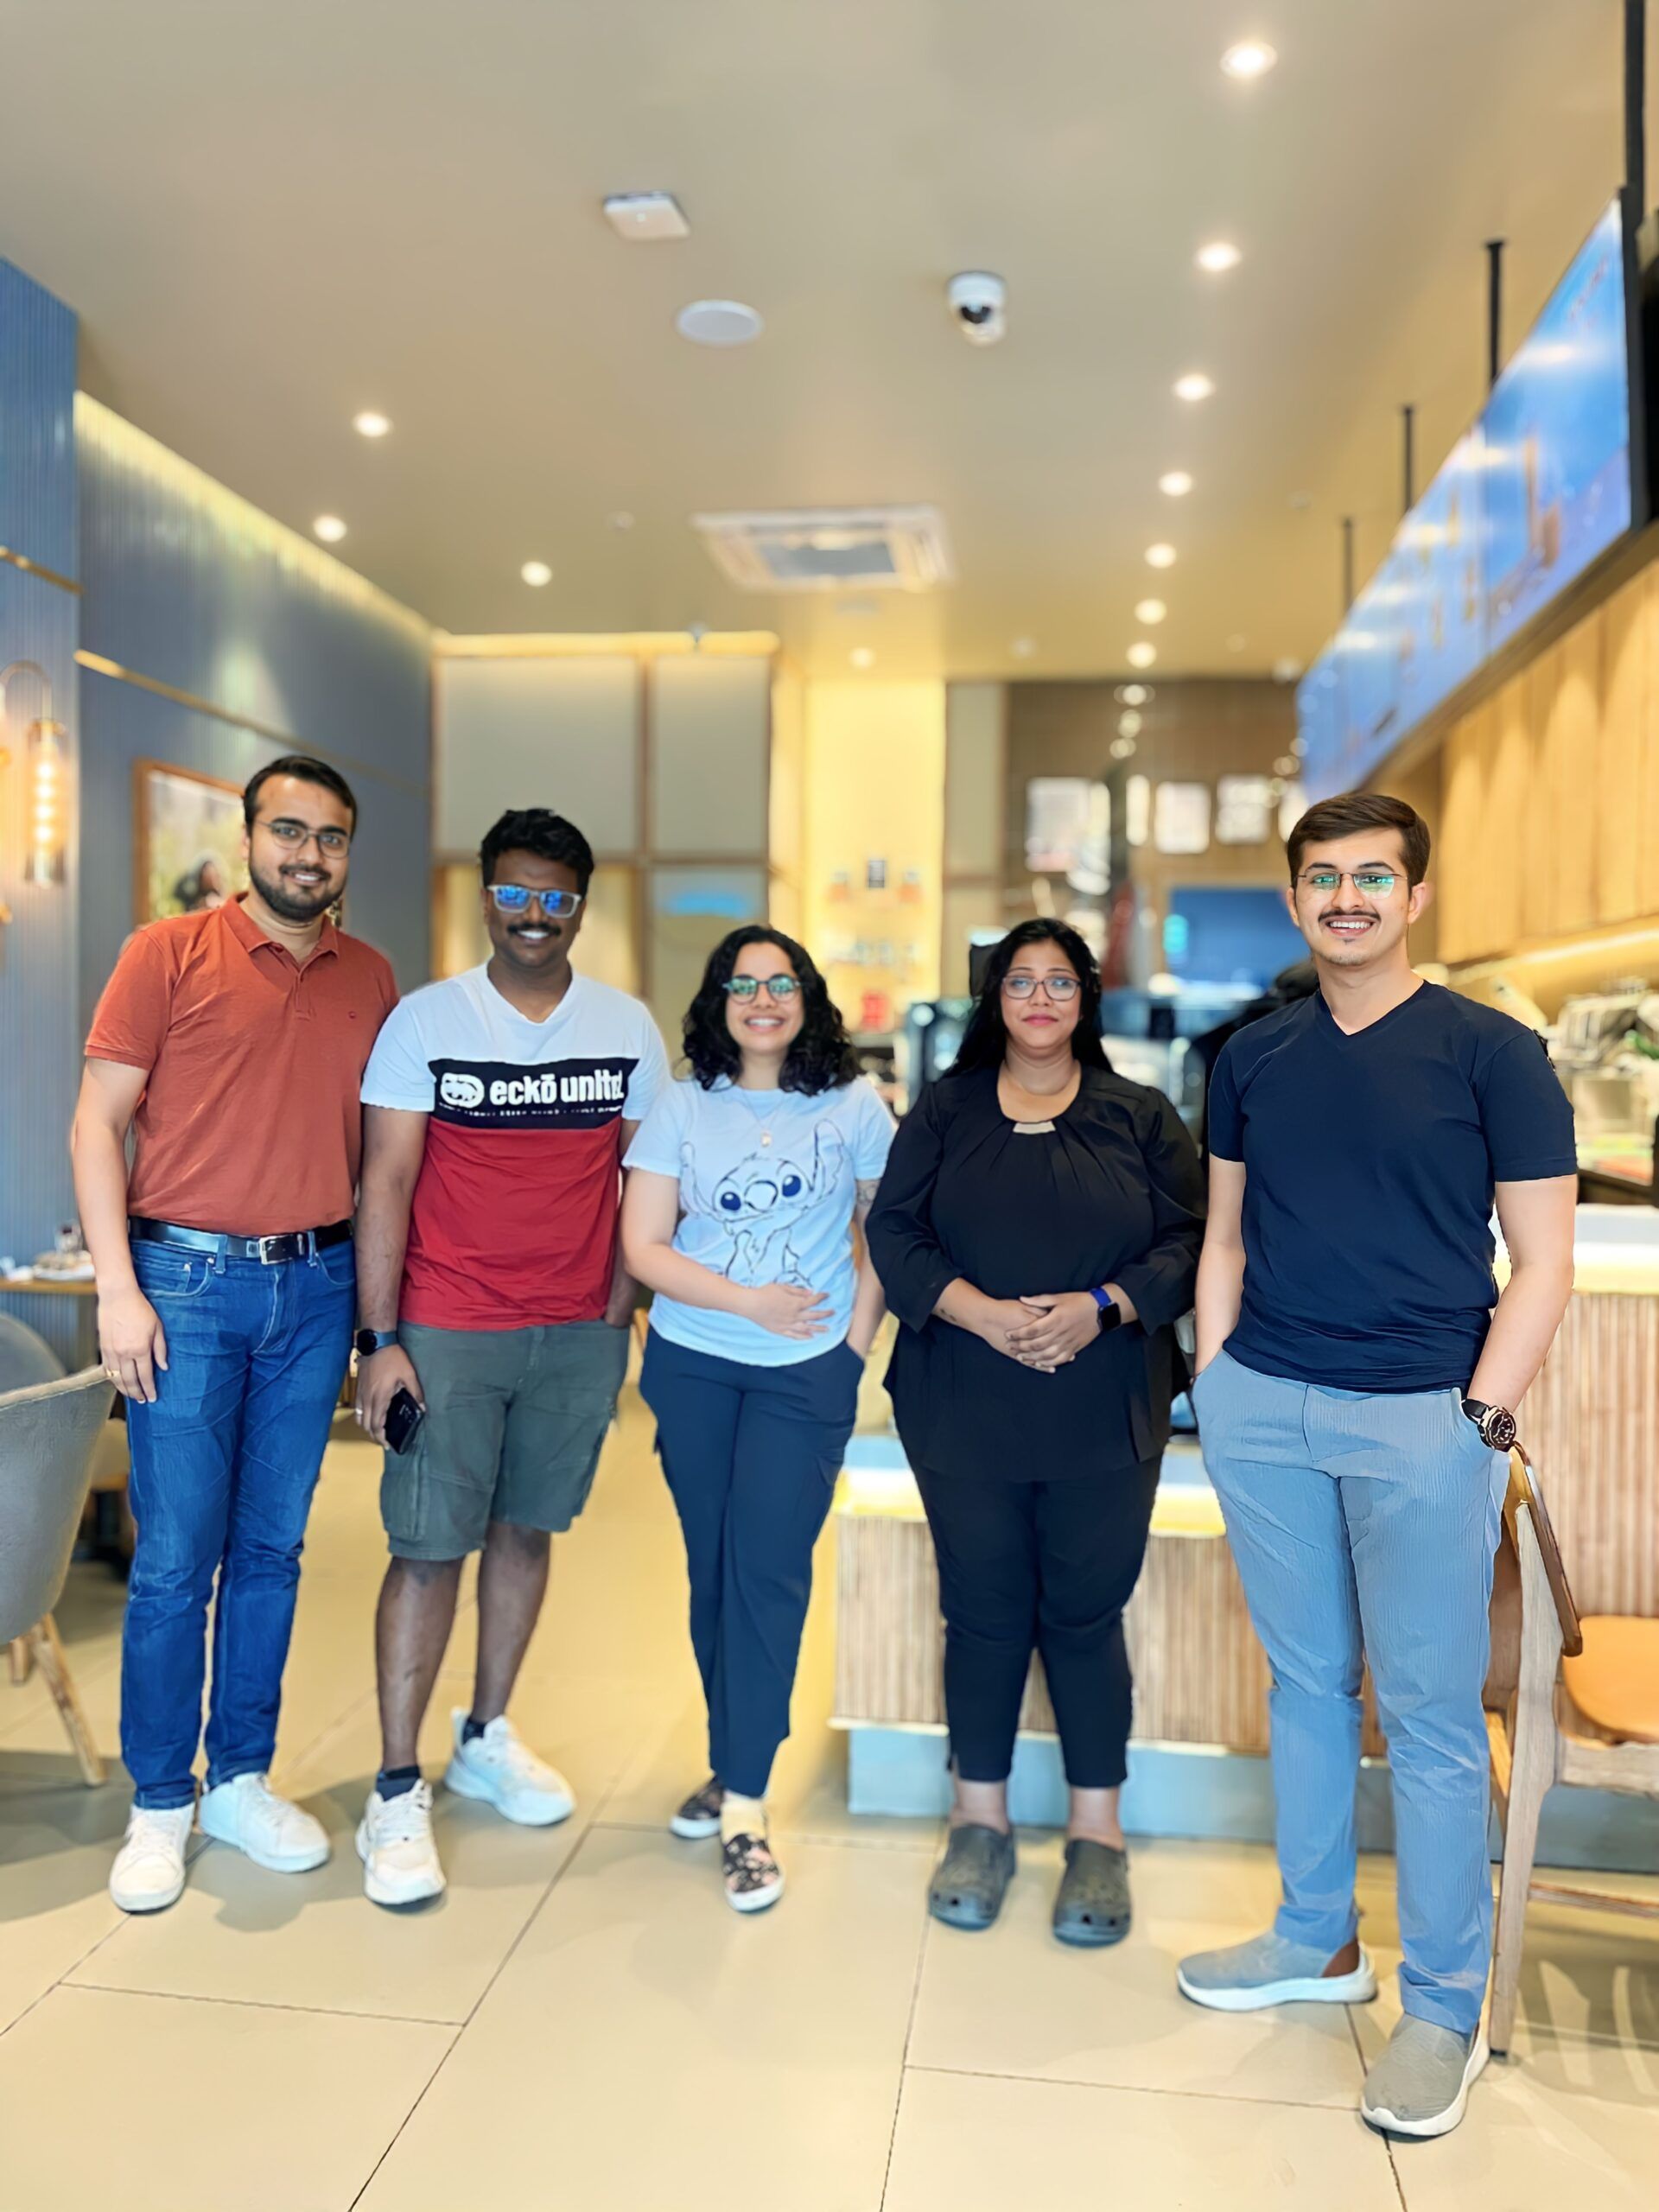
(1540, 486)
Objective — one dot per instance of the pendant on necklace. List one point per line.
(766, 1139)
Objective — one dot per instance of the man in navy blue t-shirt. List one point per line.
(1354, 1395)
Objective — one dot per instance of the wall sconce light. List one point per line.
(46, 838)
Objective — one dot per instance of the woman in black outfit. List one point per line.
(1037, 1233)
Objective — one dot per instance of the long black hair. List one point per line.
(821, 1057)
(985, 1041)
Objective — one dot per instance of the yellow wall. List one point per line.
(873, 786)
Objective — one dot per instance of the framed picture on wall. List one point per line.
(187, 842)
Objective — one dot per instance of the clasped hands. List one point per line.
(1046, 1330)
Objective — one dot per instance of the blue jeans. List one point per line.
(751, 1454)
(223, 1465)
(1364, 1527)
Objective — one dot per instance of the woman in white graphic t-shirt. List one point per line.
(746, 1180)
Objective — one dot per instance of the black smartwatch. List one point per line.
(1496, 1423)
(1111, 1313)
(370, 1341)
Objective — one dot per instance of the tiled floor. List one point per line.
(582, 2024)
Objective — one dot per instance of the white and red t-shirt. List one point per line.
(513, 1221)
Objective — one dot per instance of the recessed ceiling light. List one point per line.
(719, 322)
(643, 216)
(329, 529)
(1218, 256)
(537, 573)
(1286, 764)
(1251, 57)
(1151, 611)
(862, 656)
(1129, 724)
(1194, 386)
(1122, 748)
(620, 520)
(369, 424)
(1141, 653)
(1161, 557)
(1286, 669)
(1023, 648)
(1177, 484)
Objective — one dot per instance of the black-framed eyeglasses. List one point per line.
(1369, 882)
(515, 898)
(780, 988)
(1059, 989)
(294, 837)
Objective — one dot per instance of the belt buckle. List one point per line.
(268, 1255)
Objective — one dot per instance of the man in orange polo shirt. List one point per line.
(230, 1044)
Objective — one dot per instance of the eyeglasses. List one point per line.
(782, 989)
(515, 898)
(1369, 882)
(294, 837)
(1060, 990)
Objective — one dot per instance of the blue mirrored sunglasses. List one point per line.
(514, 899)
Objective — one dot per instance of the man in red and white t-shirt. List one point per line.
(490, 1288)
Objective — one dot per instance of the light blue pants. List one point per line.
(1367, 1524)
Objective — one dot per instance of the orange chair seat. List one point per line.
(1615, 1680)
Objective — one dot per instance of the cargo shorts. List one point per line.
(515, 1420)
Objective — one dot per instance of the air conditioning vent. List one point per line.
(831, 548)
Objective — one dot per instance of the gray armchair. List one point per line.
(48, 1435)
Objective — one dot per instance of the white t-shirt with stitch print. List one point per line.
(762, 1211)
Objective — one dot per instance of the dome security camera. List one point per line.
(979, 306)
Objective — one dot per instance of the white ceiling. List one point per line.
(270, 216)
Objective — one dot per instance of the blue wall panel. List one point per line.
(39, 1058)
(190, 587)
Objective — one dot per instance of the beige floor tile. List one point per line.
(1011, 2000)
(1582, 1973)
(160, 2105)
(1562, 2123)
(971, 2144)
(57, 1840)
(643, 2033)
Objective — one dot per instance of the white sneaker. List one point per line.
(507, 1774)
(149, 1870)
(399, 1853)
(249, 1815)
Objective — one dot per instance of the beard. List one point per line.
(291, 902)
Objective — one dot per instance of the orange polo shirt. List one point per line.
(249, 1123)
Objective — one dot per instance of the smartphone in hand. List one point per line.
(403, 1417)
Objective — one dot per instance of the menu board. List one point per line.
(1557, 431)
(1526, 500)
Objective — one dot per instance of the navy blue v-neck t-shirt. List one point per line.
(1370, 1162)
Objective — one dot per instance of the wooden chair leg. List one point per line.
(22, 1659)
(1535, 1750)
(54, 1668)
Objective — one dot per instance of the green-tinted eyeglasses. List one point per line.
(781, 987)
(1369, 882)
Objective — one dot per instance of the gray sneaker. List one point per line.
(1420, 2084)
(1271, 1970)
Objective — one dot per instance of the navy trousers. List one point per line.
(751, 1454)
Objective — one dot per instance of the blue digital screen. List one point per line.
(1224, 935)
(1525, 502)
(1557, 432)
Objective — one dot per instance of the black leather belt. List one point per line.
(270, 1251)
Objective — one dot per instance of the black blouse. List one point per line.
(1113, 1193)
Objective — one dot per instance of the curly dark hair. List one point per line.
(985, 1041)
(821, 1057)
(538, 830)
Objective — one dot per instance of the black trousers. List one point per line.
(1046, 1567)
